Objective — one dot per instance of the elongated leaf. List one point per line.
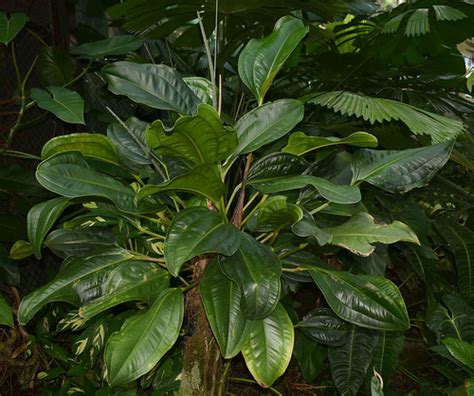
(310, 356)
(117, 45)
(54, 67)
(144, 339)
(360, 233)
(400, 171)
(269, 345)
(200, 139)
(201, 87)
(256, 270)
(262, 59)
(387, 352)
(276, 213)
(10, 27)
(418, 24)
(322, 326)
(203, 180)
(420, 122)
(78, 282)
(196, 231)
(461, 351)
(221, 300)
(20, 250)
(300, 144)
(365, 300)
(88, 144)
(157, 86)
(277, 164)
(461, 242)
(349, 362)
(65, 104)
(267, 123)
(41, 218)
(6, 314)
(137, 281)
(307, 227)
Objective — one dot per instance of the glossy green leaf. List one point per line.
(262, 59)
(88, 144)
(269, 345)
(350, 361)
(201, 87)
(276, 213)
(256, 270)
(310, 356)
(78, 282)
(376, 385)
(137, 281)
(116, 45)
(41, 218)
(196, 231)
(307, 227)
(157, 86)
(69, 175)
(221, 300)
(322, 326)
(461, 351)
(276, 165)
(387, 352)
(10, 27)
(365, 300)
(20, 250)
(55, 67)
(300, 143)
(359, 234)
(200, 139)
(144, 339)
(267, 123)
(65, 104)
(192, 182)
(6, 314)
(400, 171)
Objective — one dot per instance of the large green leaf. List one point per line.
(41, 218)
(300, 143)
(200, 139)
(322, 326)
(65, 104)
(144, 339)
(267, 123)
(88, 144)
(307, 227)
(310, 356)
(461, 351)
(10, 27)
(157, 86)
(360, 233)
(269, 345)
(68, 174)
(55, 67)
(137, 281)
(203, 180)
(349, 362)
(387, 352)
(365, 300)
(420, 122)
(262, 59)
(221, 300)
(277, 213)
(400, 171)
(197, 231)
(256, 269)
(201, 87)
(6, 314)
(277, 164)
(78, 282)
(460, 241)
(116, 45)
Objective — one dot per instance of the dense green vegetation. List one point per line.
(277, 197)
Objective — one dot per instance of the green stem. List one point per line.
(78, 77)
(43, 43)
(290, 252)
(297, 269)
(264, 198)
(225, 372)
(232, 197)
(319, 208)
(20, 154)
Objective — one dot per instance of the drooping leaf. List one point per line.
(6, 314)
(55, 67)
(322, 326)
(418, 23)
(221, 300)
(420, 122)
(262, 59)
(157, 86)
(200, 139)
(20, 250)
(350, 361)
(65, 104)
(201, 87)
(88, 144)
(269, 345)
(256, 270)
(144, 339)
(10, 27)
(360, 233)
(365, 300)
(41, 218)
(387, 353)
(400, 171)
(300, 143)
(310, 356)
(116, 45)
(195, 231)
(307, 227)
(461, 351)
(267, 123)
(447, 13)
(276, 213)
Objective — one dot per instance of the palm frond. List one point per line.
(418, 23)
(420, 122)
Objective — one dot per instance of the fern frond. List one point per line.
(420, 122)
(418, 24)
